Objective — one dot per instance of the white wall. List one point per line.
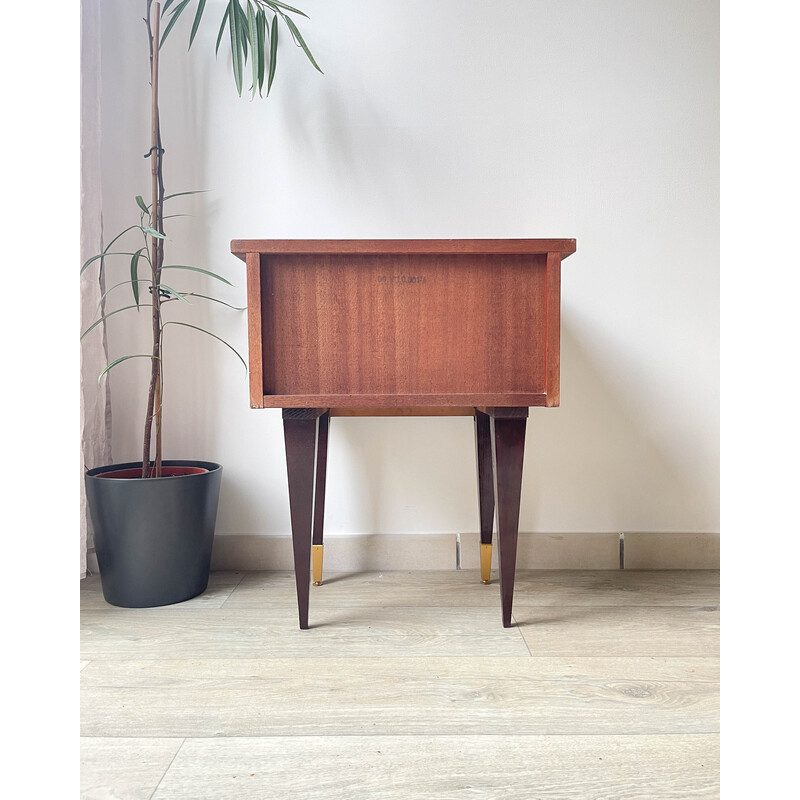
(596, 120)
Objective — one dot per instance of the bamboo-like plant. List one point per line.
(253, 26)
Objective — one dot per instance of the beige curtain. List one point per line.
(95, 400)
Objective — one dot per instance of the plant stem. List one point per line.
(154, 406)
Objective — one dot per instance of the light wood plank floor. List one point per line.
(406, 686)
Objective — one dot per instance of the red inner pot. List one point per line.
(166, 472)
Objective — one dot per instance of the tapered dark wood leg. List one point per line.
(319, 498)
(508, 449)
(300, 430)
(483, 451)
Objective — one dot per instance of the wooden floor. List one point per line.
(406, 686)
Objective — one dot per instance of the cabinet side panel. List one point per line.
(254, 339)
(553, 300)
(405, 324)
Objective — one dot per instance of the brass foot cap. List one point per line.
(316, 564)
(485, 583)
(486, 562)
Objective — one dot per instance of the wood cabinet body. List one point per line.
(404, 327)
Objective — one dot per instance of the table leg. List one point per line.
(319, 498)
(508, 448)
(301, 430)
(483, 450)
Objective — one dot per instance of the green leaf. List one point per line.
(172, 293)
(102, 255)
(175, 194)
(141, 203)
(181, 194)
(197, 269)
(244, 30)
(152, 232)
(104, 317)
(261, 46)
(251, 24)
(108, 247)
(183, 294)
(221, 30)
(236, 45)
(119, 361)
(175, 14)
(119, 236)
(166, 6)
(273, 52)
(300, 41)
(197, 17)
(135, 275)
(202, 330)
(116, 286)
(216, 300)
(275, 4)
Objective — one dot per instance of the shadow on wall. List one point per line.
(364, 173)
(596, 463)
(402, 474)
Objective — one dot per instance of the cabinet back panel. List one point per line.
(401, 324)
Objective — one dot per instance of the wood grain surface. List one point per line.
(255, 344)
(456, 588)
(608, 687)
(241, 247)
(552, 302)
(506, 767)
(383, 696)
(126, 768)
(404, 323)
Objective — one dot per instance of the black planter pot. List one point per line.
(153, 536)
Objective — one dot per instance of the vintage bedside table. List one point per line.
(404, 327)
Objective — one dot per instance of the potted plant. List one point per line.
(154, 519)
